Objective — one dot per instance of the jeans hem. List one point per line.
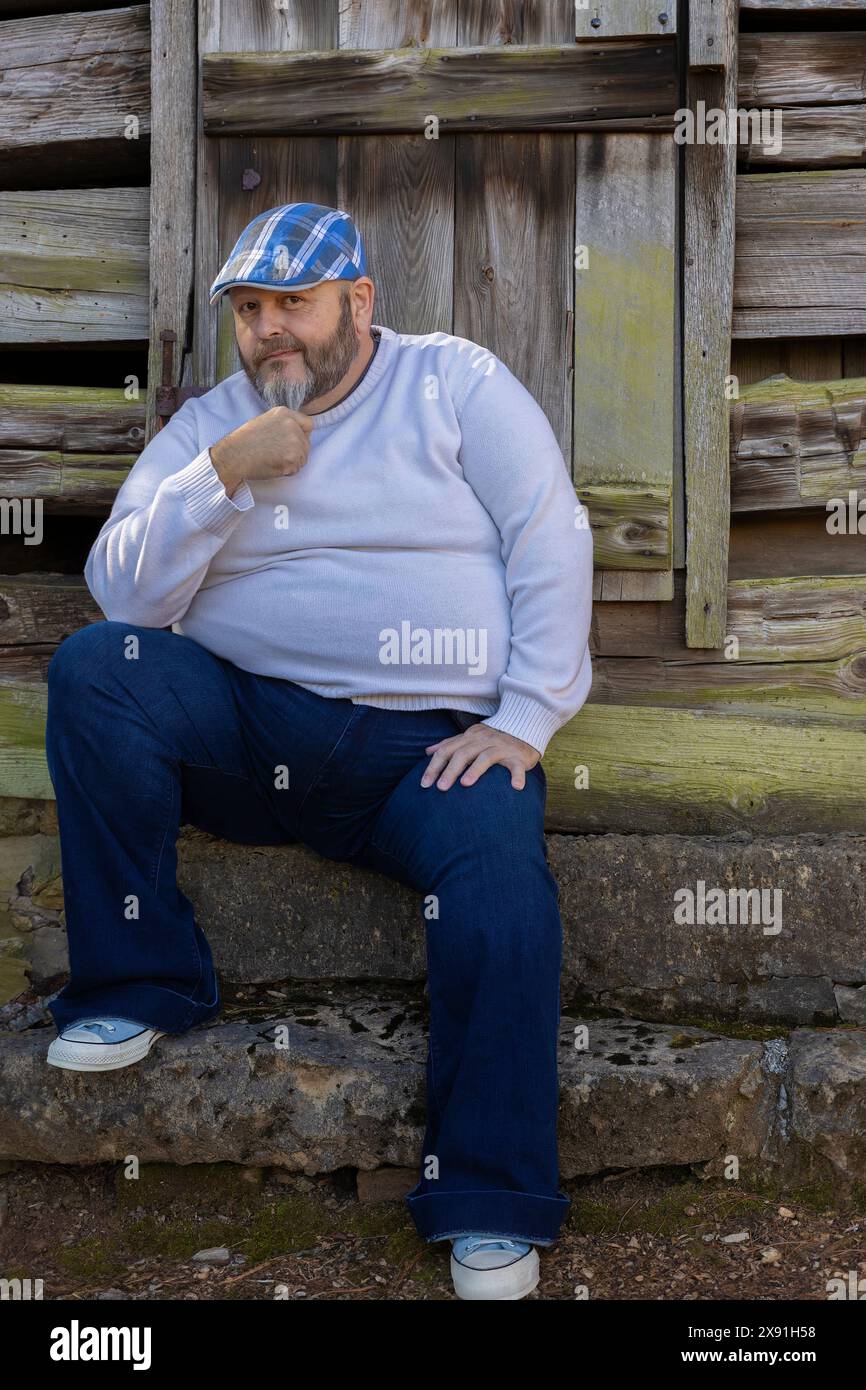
(506, 1214)
(153, 1005)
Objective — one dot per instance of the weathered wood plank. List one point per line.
(712, 36)
(86, 482)
(801, 69)
(699, 772)
(77, 84)
(617, 19)
(818, 7)
(794, 619)
(650, 769)
(172, 187)
(631, 84)
(832, 691)
(633, 586)
(81, 419)
(767, 545)
(73, 265)
(803, 359)
(811, 137)
(801, 253)
(796, 444)
(514, 195)
(708, 257)
(623, 452)
(42, 609)
(631, 526)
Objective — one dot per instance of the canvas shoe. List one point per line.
(101, 1044)
(485, 1267)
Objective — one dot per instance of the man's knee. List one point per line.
(84, 655)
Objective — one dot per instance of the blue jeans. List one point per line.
(148, 730)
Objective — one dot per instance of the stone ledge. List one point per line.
(284, 913)
(349, 1091)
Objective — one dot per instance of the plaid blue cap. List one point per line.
(294, 247)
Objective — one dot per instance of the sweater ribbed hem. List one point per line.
(210, 505)
(525, 718)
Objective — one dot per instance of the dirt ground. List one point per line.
(94, 1233)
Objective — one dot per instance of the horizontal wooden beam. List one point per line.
(802, 618)
(798, 444)
(74, 265)
(800, 266)
(75, 84)
(801, 69)
(64, 480)
(629, 84)
(37, 610)
(81, 419)
(806, 137)
(702, 772)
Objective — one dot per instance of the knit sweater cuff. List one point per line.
(526, 719)
(209, 504)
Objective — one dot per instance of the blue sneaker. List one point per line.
(493, 1267)
(101, 1044)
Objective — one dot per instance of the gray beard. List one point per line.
(274, 389)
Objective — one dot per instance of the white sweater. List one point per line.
(431, 553)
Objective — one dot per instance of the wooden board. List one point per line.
(627, 85)
(172, 188)
(708, 261)
(811, 137)
(616, 19)
(623, 451)
(798, 445)
(801, 69)
(76, 92)
(74, 265)
(83, 482)
(83, 419)
(40, 610)
(801, 254)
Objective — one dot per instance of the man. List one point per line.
(348, 596)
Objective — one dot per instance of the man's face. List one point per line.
(295, 345)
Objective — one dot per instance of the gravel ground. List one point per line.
(667, 1235)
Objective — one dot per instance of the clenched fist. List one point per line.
(272, 445)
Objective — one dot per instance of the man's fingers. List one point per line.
(460, 759)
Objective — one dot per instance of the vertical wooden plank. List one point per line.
(229, 28)
(708, 278)
(624, 320)
(709, 36)
(400, 188)
(172, 187)
(514, 267)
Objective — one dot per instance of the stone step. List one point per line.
(337, 1079)
(285, 913)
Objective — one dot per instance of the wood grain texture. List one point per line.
(796, 444)
(40, 609)
(616, 19)
(70, 85)
(631, 84)
(811, 137)
(624, 346)
(172, 187)
(74, 265)
(712, 39)
(708, 272)
(801, 254)
(801, 69)
(84, 419)
(64, 480)
(513, 264)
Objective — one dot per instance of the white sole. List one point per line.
(72, 1056)
(507, 1283)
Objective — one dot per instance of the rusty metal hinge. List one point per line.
(170, 398)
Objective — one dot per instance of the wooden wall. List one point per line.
(765, 732)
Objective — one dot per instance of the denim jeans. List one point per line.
(148, 730)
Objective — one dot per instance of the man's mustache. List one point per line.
(282, 347)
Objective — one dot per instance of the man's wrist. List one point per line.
(230, 478)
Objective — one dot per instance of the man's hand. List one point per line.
(476, 750)
(271, 445)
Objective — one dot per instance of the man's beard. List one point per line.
(325, 366)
